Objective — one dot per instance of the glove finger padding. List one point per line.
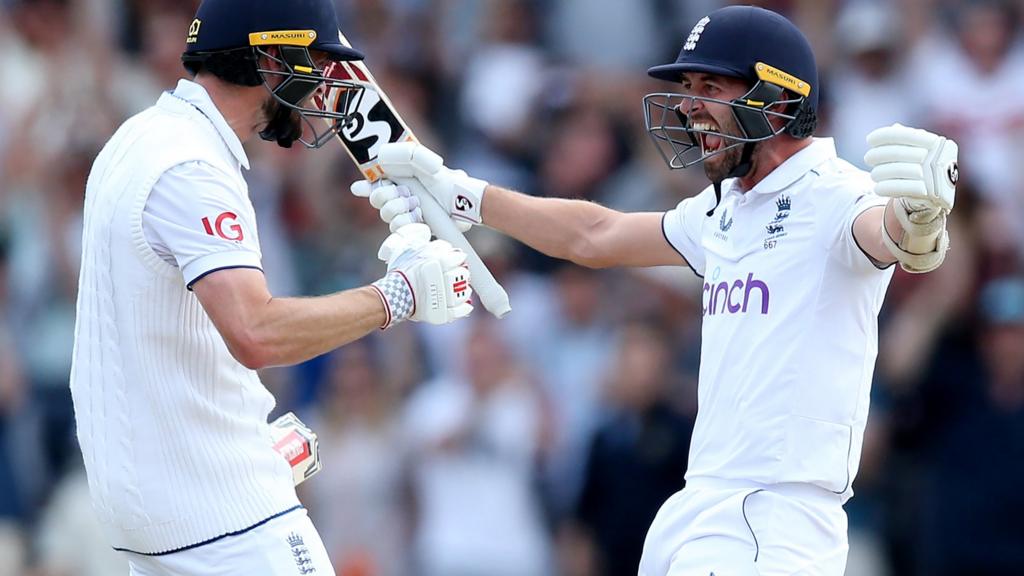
(902, 188)
(404, 240)
(902, 135)
(397, 206)
(448, 254)
(384, 193)
(361, 188)
(885, 154)
(897, 171)
(409, 160)
(402, 220)
(909, 162)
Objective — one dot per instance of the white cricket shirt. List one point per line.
(173, 429)
(790, 333)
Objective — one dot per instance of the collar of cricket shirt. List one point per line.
(196, 95)
(794, 168)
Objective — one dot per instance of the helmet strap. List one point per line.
(718, 197)
(741, 170)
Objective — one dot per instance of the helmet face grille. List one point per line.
(301, 87)
(667, 121)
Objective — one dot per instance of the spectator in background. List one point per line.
(577, 359)
(504, 79)
(965, 90)
(11, 397)
(869, 85)
(472, 444)
(973, 441)
(638, 456)
(610, 36)
(356, 501)
(48, 228)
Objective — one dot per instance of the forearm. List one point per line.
(297, 329)
(557, 227)
(287, 331)
(868, 232)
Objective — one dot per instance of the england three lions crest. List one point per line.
(776, 228)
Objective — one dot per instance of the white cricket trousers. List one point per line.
(725, 528)
(288, 545)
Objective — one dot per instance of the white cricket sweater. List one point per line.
(173, 429)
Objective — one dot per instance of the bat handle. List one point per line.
(491, 294)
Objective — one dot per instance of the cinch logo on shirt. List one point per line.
(735, 297)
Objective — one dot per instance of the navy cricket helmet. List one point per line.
(757, 45)
(235, 34)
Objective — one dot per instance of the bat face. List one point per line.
(373, 121)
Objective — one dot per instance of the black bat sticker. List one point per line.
(372, 124)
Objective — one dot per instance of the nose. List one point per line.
(688, 107)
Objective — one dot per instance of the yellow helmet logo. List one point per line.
(193, 31)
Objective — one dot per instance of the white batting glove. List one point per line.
(918, 170)
(459, 194)
(915, 165)
(427, 281)
(397, 205)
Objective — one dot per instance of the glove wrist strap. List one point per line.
(468, 200)
(398, 298)
(923, 246)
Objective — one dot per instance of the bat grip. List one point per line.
(491, 294)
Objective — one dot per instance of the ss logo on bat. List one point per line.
(372, 125)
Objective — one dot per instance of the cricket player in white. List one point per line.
(174, 314)
(795, 247)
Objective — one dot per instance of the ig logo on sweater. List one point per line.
(226, 226)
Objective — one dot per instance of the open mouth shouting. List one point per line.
(707, 133)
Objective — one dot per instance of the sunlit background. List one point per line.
(543, 444)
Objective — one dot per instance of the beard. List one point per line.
(721, 165)
(283, 124)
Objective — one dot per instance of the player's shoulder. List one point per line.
(152, 138)
(842, 176)
(839, 182)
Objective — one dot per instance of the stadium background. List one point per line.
(543, 444)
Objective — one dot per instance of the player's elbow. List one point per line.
(586, 252)
(590, 247)
(249, 351)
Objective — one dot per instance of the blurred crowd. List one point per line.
(542, 444)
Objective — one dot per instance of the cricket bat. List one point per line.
(375, 122)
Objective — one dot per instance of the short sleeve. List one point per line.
(844, 206)
(198, 219)
(683, 226)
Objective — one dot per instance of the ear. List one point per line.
(273, 63)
